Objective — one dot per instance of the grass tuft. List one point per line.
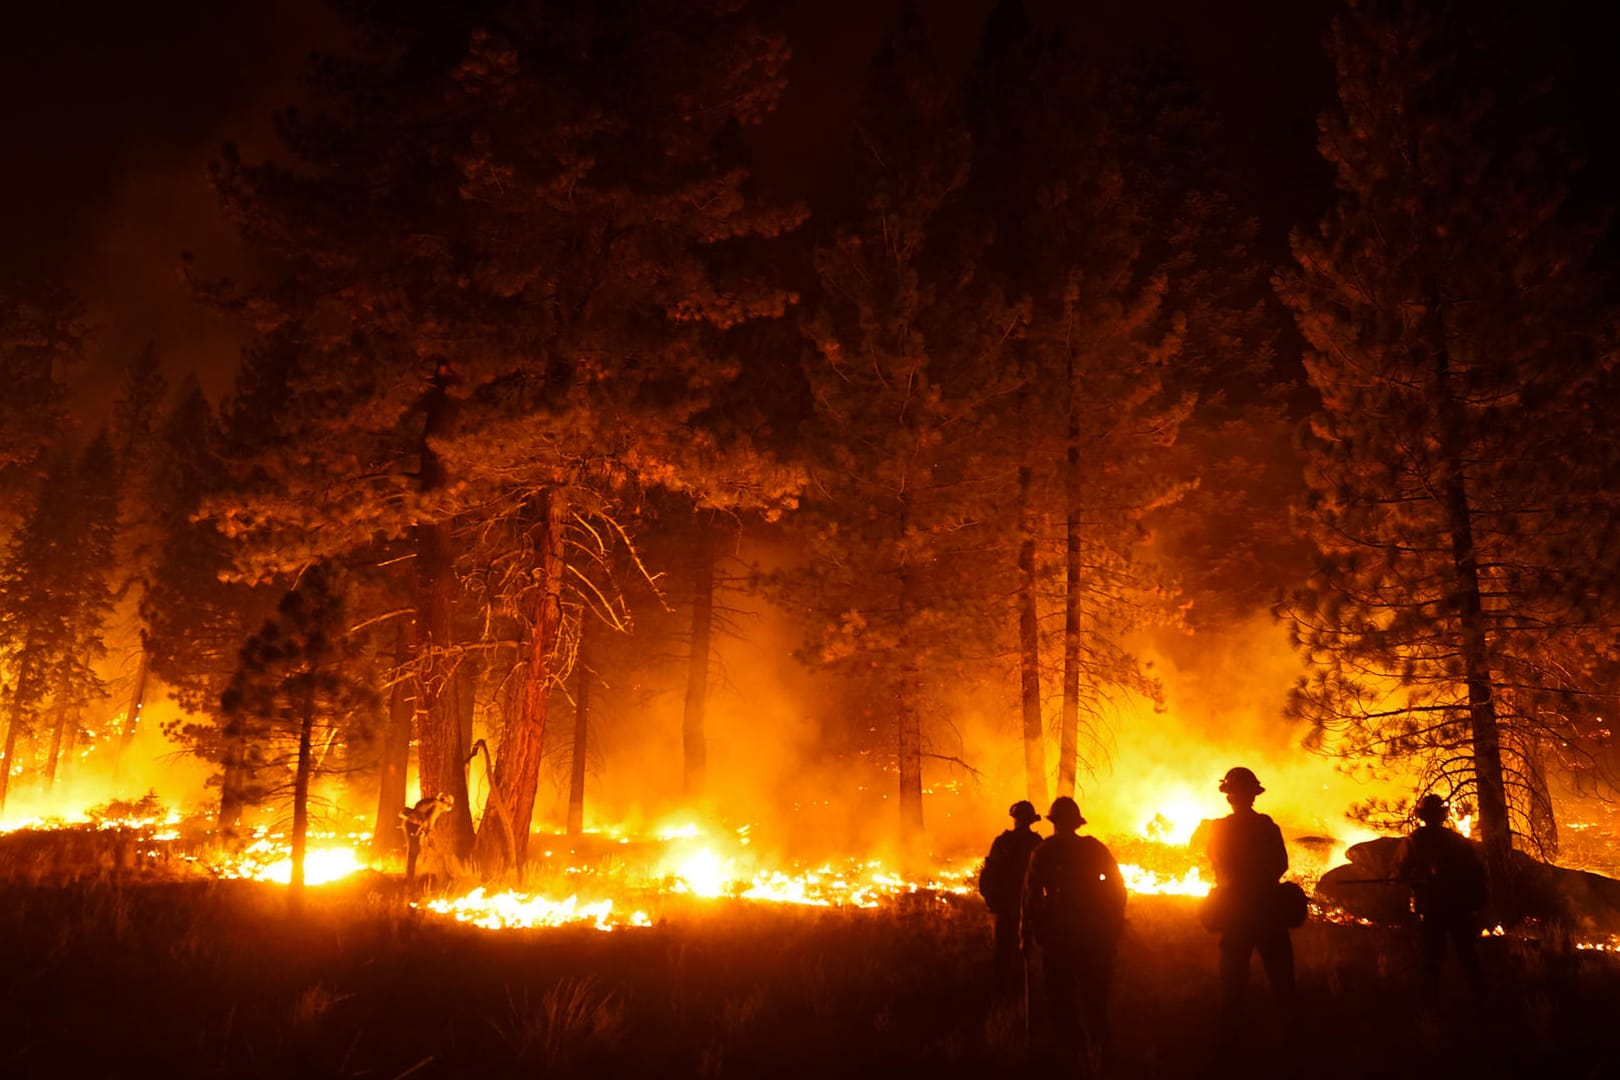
(573, 1021)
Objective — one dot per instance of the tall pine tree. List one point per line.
(511, 250)
(905, 373)
(1462, 468)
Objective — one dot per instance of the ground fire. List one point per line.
(543, 537)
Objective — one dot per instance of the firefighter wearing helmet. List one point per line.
(1447, 879)
(1001, 883)
(1074, 910)
(1247, 853)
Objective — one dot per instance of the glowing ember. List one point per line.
(159, 826)
(707, 876)
(513, 910)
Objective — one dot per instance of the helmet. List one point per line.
(1065, 811)
(1242, 781)
(1023, 812)
(1431, 809)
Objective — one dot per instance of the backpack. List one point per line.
(1079, 903)
(1001, 878)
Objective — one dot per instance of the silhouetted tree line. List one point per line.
(535, 356)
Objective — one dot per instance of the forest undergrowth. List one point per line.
(116, 976)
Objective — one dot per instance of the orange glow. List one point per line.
(269, 858)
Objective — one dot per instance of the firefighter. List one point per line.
(1447, 880)
(1074, 910)
(1247, 853)
(1001, 883)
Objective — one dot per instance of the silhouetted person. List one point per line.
(1001, 883)
(1249, 858)
(1074, 909)
(1448, 889)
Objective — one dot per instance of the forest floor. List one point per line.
(110, 978)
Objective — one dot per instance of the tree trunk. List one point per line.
(517, 770)
(13, 722)
(137, 698)
(300, 833)
(70, 742)
(1069, 736)
(233, 781)
(1029, 641)
(582, 730)
(395, 759)
(909, 747)
(1495, 828)
(908, 720)
(22, 699)
(693, 744)
(442, 753)
(58, 732)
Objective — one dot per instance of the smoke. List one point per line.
(782, 768)
(1159, 772)
(98, 773)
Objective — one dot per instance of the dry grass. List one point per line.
(213, 979)
(572, 1022)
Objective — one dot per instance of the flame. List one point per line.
(1177, 817)
(1144, 882)
(328, 857)
(702, 874)
(268, 859)
(513, 910)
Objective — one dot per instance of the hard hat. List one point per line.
(1239, 779)
(1431, 809)
(1065, 811)
(1023, 812)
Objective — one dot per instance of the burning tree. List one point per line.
(1460, 469)
(54, 601)
(508, 250)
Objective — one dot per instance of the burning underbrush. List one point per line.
(601, 879)
(608, 880)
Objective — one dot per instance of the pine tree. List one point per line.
(195, 621)
(136, 418)
(1087, 249)
(512, 256)
(54, 601)
(42, 332)
(1461, 468)
(904, 376)
(291, 689)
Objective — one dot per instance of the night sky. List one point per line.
(110, 114)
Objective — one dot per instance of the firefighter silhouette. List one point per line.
(1074, 911)
(1247, 853)
(1447, 880)
(1001, 883)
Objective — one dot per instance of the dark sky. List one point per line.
(110, 113)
